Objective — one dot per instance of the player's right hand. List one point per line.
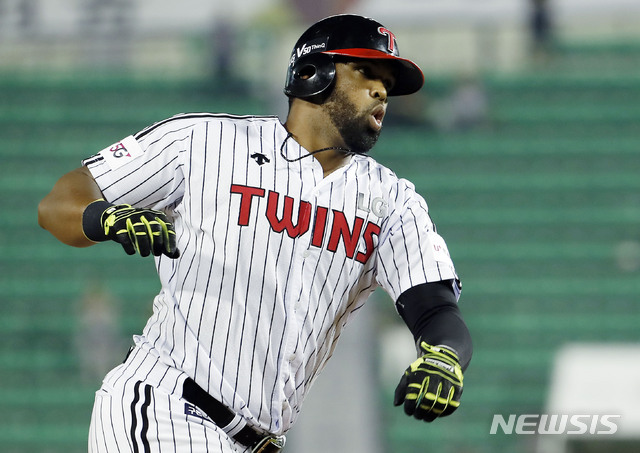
(138, 230)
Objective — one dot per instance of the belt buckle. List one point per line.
(270, 444)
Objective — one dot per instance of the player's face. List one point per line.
(358, 102)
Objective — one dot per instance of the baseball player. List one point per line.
(268, 238)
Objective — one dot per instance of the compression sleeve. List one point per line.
(432, 314)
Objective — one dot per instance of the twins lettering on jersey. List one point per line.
(337, 231)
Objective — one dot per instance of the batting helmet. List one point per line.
(312, 69)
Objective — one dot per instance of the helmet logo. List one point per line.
(317, 45)
(391, 38)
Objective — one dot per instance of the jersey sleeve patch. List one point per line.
(440, 250)
(121, 153)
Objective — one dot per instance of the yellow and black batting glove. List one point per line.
(431, 386)
(138, 230)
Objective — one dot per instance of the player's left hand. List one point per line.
(431, 386)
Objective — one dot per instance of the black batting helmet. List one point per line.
(312, 69)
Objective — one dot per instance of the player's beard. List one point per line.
(354, 127)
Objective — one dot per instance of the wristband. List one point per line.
(92, 220)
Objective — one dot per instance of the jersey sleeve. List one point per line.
(410, 251)
(141, 173)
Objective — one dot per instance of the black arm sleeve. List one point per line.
(431, 312)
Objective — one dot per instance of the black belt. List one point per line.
(222, 416)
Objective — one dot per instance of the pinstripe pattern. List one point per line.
(139, 410)
(275, 258)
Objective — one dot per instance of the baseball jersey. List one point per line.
(275, 258)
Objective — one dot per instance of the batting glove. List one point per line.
(138, 230)
(431, 386)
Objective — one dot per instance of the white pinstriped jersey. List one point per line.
(275, 258)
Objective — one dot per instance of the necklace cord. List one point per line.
(329, 148)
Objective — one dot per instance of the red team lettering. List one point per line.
(286, 223)
(340, 231)
(321, 224)
(245, 201)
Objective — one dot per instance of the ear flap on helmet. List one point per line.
(310, 76)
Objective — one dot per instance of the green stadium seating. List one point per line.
(536, 209)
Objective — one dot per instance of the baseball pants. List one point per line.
(137, 415)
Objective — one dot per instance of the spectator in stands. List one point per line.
(469, 104)
(541, 28)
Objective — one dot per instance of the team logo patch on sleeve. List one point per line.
(121, 153)
(440, 251)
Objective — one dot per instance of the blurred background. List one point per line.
(525, 141)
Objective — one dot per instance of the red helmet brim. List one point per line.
(409, 76)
